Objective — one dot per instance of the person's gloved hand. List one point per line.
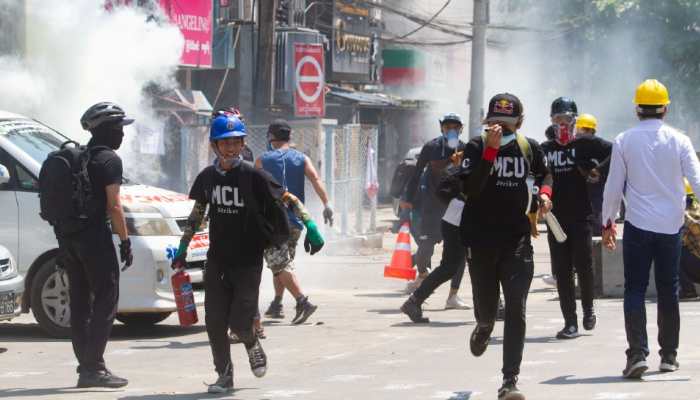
(179, 262)
(328, 215)
(125, 254)
(313, 242)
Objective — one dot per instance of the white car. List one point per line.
(155, 219)
(11, 286)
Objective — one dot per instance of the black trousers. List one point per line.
(576, 253)
(510, 265)
(90, 260)
(230, 300)
(454, 258)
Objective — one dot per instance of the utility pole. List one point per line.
(265, 71)
(476, 91)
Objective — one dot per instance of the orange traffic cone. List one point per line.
(401, 264)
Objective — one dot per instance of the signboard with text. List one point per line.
(310, 82)
(194, 18)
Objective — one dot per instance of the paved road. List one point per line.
(358, 346)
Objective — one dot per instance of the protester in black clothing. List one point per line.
(430, 169)
(573, 164)
(497, 231)
(235, 257)
(453, 252)
(89, 257)
(246, 152)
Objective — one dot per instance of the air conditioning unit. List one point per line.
(284, 60)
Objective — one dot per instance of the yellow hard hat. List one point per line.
(651, 93)
(688, 188)
(586, 121)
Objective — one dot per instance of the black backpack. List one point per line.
(65, 191)
(403, 173)
(272, 220)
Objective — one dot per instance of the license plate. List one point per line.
(7, 303)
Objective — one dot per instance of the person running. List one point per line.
(420, 194)
(235, 257)
(651, 159)
(571, 162)
(290, 167)
(86, 250)
(453, 252)
(497, 230)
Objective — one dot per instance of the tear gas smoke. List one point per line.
(77, 54)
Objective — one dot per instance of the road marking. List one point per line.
(337, 356)
(348, 378)
(18, 374)
(286, 393)
(447, 395)
(391, 362)
(405, 386)
(616, 396)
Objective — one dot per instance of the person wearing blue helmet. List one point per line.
(235, 195)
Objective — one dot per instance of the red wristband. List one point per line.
(546, 190)
(490, 154)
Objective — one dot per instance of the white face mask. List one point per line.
(507, 139)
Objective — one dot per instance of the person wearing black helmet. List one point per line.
(89, 257)
(419, 196)
(494, 178)
(572, 162)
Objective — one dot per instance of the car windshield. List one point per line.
(35, 139)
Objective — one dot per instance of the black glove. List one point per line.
(125, 253)
(310, 247)
(179, 262)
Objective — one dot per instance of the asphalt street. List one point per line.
(359, 346)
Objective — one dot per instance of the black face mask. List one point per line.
(111, 137)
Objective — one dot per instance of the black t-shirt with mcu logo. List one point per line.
(234, 236)
(568, 163)
(498, 194)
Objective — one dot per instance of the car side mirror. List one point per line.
(4, 175)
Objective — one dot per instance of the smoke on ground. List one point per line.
(78, 53)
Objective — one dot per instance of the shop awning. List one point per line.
(372, 99)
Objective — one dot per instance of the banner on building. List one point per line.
(310, 81)
(194, 18)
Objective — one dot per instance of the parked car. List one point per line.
(155, 219)
(11, 286)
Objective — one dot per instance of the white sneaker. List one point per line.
(454, 302)
(550, 280)
(413, 285)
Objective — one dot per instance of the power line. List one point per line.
(427, 22)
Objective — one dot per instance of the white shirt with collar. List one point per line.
(648, 163)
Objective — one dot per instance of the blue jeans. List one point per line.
(639, 249)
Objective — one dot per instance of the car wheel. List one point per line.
(50, 299)
(142, 319)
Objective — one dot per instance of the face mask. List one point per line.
(269, 146)
(505, 139)
(563, 134)
(452, 138)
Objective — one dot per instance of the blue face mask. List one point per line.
(505, 139)
(269, 146)
(452, 137)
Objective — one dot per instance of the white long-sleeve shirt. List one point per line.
(651, 159)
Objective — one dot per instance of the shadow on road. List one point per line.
(185, 396)
(541, 340)
(19, 332)
(572, 380)
(385, 311)
(40, 392)
(173, 345)
(432, 324)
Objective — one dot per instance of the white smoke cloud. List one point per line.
(77, 54)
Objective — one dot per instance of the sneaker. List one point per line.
(668, 363)
(569, 332)
(224, 384)
(501, 312)
(479, 341)
(550, 280)
(509, 390)
(636, 366)
(413, 285)
(411, 308)
(257, 359)
(454, 302)
(589, 321)
(260, 333)
(233, 338)
(275, 311)
(304, 311)
(103, 379)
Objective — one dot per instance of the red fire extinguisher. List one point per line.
(184, 298)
